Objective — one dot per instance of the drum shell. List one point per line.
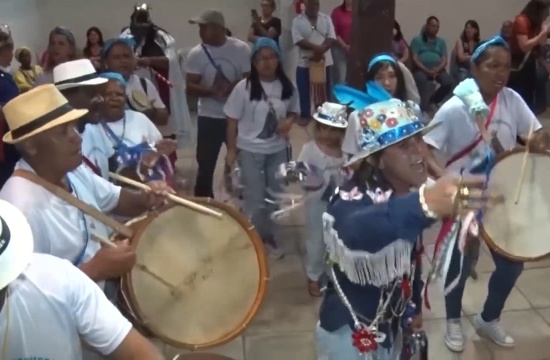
(129, 304)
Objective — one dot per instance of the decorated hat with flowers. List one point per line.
(332, 114)
(386, 123)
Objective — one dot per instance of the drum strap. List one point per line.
(82, 206)
(472, 146)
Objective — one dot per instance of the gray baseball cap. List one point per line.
(209, 17)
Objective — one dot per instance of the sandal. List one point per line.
(314, 288)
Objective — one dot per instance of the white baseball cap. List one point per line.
(16, 243)
(76, 73)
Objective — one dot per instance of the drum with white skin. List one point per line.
(519, 231)
(198, 279)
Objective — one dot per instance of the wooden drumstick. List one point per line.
(178, 200)
(102, 240)
(109, 243)
(524, 164)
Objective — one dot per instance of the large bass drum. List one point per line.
(198, 280)
(519, 231)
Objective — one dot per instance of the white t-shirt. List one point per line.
(512, 117)
(98, 146)
(233, 58)
(330, 166)
(60, 229)
(302, 29)
(254, 134)
(52, 306)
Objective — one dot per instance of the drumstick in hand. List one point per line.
(524, 164)
(178, 200)
(145, 269)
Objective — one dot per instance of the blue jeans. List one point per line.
(340, 68)
(302, 82)
(501, 283)
(315, 246)
(462, 74)
(338, 345)
(259, 182)
(426, 85)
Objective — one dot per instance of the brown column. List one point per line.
(371, 34)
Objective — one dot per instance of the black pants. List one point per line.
(210, 137)
(524, 81)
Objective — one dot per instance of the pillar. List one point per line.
(372, 33)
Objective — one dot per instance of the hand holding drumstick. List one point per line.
(169, 196)
(111, 247)
(524, 164)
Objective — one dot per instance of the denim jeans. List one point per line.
(425, 87)
(259, 182)
(340, 68)
(461, 74)
(302, 83)
(315, 245)
(338, 345)
(501, 283)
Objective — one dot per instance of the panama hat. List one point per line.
(76, 73)
(332, 114)
(37, 110)
(16, 243)
(384, 124)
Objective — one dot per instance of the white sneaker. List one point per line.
(493, 331)
(454, 337)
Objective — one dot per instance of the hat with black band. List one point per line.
(36, 111)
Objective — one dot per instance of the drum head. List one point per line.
(520, 231)
(139, 100)
(217, 268)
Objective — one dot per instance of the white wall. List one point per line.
(31, 27)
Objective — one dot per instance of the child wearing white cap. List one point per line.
(323, 152)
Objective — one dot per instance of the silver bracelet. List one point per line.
(430, 214)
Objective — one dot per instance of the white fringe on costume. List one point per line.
(361, 267)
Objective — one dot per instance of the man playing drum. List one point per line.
(459, 141)
(47, 306)
(371, 229)
(43, 127)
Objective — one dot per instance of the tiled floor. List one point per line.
(283, 327)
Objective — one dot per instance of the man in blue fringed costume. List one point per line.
(372, 307)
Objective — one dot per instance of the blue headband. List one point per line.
(108, 45)
(496, 40)
(266, 42)
(115, 77)
(379, 58)
(59, 30)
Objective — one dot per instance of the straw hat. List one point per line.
(37, 110)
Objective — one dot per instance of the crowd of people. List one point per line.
(122, 108)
